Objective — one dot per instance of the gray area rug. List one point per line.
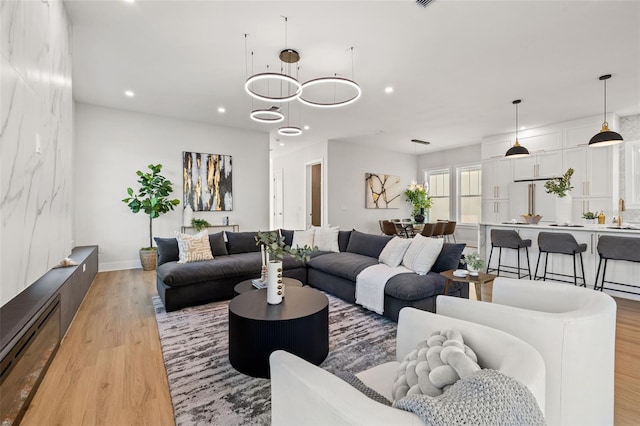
(206, 389)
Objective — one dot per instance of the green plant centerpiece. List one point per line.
(152, 198)
(276, 248)
(274, 244)
(199, 224)
(417, 195)
(589, 216)
(560, 185)
(473, 261)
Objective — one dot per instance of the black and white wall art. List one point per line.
(207, 181)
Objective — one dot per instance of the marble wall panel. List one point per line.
(36, 188)
(630, 131)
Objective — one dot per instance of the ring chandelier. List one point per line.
(290, 89)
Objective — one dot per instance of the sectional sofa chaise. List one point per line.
(238, 259)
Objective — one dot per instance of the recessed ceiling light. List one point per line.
(306, 127)
(222, 110)
(128, 1)
(129, 93)
(281, 143)
(388, 89)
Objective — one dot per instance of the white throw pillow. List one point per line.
(393, 253)
(302, 238)
(422, 254)
(194, 248)
(326, 238)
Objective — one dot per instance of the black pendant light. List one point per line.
(517, 150)
(605, 137)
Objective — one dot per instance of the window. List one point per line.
(469, 194)
(439, 191)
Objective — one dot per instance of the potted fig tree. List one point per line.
(152, 198)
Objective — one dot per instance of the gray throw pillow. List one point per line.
(367, 244)
(241, 242)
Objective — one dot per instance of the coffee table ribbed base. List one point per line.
(299, 325)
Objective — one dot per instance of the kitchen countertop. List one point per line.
(634, 228)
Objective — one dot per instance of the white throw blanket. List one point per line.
(370, 285)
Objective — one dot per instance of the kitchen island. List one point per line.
(619, 271)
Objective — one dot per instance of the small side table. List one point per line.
(247, 285)
(478, 280)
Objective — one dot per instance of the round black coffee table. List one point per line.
(247, 285)
(300, 325)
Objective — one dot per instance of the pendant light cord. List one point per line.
(605, 101)
(516, 123)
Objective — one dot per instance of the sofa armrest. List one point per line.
(304, 394)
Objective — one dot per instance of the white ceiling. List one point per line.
(455, 66)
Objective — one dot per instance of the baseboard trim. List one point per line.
(118, 266)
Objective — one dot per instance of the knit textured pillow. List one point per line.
(193, 248)
(435, 365)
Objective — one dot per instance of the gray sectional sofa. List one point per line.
(238, 259)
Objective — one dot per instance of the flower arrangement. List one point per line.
(417, 195)
(560, 185)
(275, 247)
(473, 260)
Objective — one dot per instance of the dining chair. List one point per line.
(438, 229)
(427, 230)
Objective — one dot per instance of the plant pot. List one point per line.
(148, 259)
(563, 209)
(472, 271)
(275, 285)
(419, 218)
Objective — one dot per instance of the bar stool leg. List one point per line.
(489, 261)
(584, 279)
(526, 250)
(604, 272)
(575, 274)
(535, 276)
(546, 258)
(595, 285)
(518, 263)
(499, 259)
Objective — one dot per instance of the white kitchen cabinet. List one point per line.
(496, 177)
(594, 205)
(544, 164)
(494, 148)
(495, 211)
(593, 170)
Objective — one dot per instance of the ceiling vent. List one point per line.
(420, 142)
(424, 3)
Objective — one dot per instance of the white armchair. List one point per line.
(573, 328)
(304, 394)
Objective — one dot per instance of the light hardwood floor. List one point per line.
(109, 369)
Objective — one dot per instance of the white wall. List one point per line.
(347, 165)
(36, 189)
(111, 145)
(294, 166)
(449, 158)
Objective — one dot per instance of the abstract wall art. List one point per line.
(207, 181)
(382, 191)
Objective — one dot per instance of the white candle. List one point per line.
(262, 254)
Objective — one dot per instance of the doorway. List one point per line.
(314, 194)
(278, 199)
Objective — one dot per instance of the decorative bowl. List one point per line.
(532, 220)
